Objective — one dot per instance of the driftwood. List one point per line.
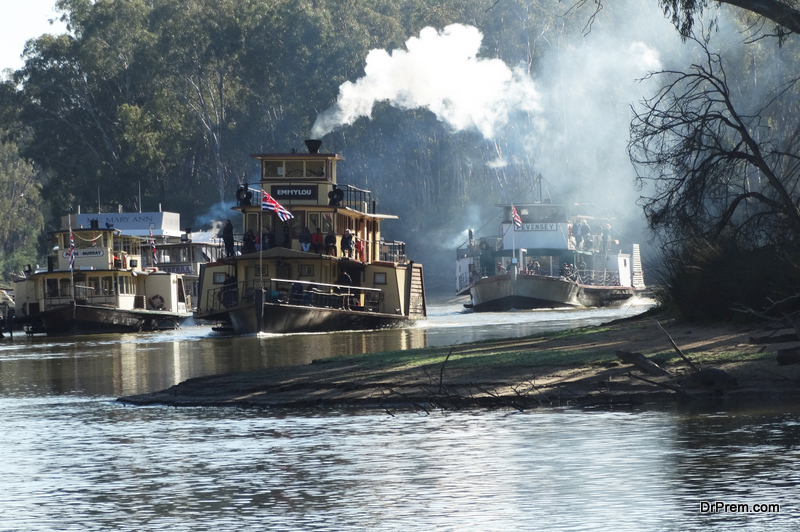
(788, 357)
(662, 384)
(677, 349)
(642, 362)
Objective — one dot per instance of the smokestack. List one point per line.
(313, 145)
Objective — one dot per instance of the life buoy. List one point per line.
(157, 302)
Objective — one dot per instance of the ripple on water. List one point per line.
(97, 465)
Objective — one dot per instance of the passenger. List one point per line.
(305, 239)
(249, 242)
(347, 244)
(227, 238)
(316, 241)
(606, 238)
(330, 244)
(344, 279)
(586, 232)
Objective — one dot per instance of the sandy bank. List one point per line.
(577, 367)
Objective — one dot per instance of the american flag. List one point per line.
(268, 203)
(515, 217)
(153, 246)
(71, 249)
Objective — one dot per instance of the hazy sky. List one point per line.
(21, 20)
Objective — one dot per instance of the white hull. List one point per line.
(502, 292)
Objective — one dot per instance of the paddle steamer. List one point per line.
(325, 267)
(97, 282)
(540, 259)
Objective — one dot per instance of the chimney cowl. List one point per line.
(313, 145)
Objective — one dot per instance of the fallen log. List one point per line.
(642, 362)
(776, 339)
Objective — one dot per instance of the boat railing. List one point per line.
(291, 292)
(598, 277)
(393, 251)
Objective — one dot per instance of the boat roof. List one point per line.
(296, 156)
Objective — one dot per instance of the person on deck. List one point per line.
(330, 244)
(227, 238)
(316, 241)
(347, 244)
(305, 239)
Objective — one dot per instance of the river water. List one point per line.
(75, 459)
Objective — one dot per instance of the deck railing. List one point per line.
(290, 292)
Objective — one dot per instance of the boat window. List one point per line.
(294, 168)
(251, 222)
(65, 288)
(380, 278)
(94, 285)
(306, 270)
(342, 223)
(52, 288)
(261, 271)
(315, 168)
(297, 222)
(107, 284)
(313, 222)
(327, 223)
(284, 271)
(272, 169)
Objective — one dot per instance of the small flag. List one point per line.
(153, 246)
(515, 217)
(71, 249)
(268, 203)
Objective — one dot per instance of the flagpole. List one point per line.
(261, 239)
(71, 258)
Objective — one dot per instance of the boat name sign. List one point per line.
(84, 253)
(538, 227)
(294, 191)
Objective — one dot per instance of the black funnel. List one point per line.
(313, 145)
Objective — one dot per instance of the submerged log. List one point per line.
(790, 356)
(642, 362)
(710, 378)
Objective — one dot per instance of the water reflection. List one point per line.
(116, 365)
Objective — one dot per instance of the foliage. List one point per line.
(704, 280)
(20, 203)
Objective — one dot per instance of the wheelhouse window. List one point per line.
(272, 169)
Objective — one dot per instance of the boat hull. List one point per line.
(281, 318)
(502, 292)
(87, 319)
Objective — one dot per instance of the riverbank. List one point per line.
(577, 367)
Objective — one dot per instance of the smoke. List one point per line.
(438, 71)
(214, 219)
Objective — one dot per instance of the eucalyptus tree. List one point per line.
(20, 203)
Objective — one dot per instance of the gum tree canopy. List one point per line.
(784, 13)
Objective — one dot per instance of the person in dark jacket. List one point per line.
(347, 244)
(227, 238)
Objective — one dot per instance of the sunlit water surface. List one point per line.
(74, 459)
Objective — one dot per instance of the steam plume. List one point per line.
(439, 71)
